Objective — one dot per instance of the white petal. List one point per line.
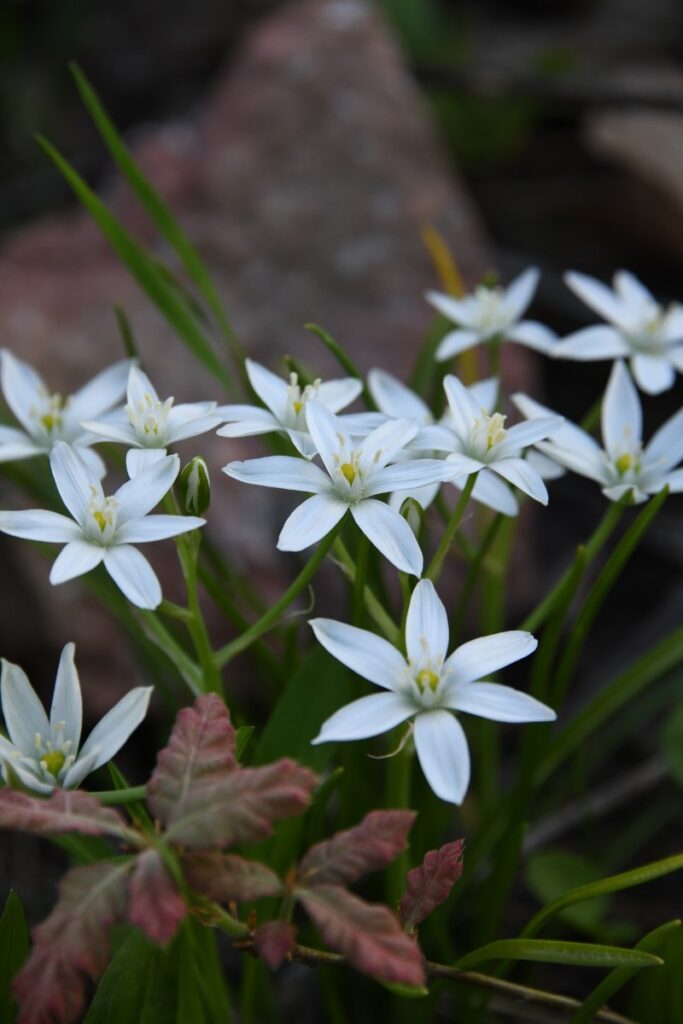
(567, 436)
(328, 434)
(485, 393)
(138, 496)
(77, 558)
(369, 716)
(424, 496)
(589, 343)
(479, 658)
(156, 527)
(622, 418)
(185, 421)
(28, 778)
(619, 491)
(493, 492)
(112, 731)
(311, 521)
(283, 471)
(522, 475)
(674, 481)
(337, 394)
(22, 387)
(443, 753)
(672, 329)
(365, 653)
(426, 626)
(463, 406)
(360, 424)
(140, 388)
(438, 438)
(270, 389)
(456, 342)
(77, 486)
(303, 442)
(546, 467)
(24, 714)
(101, 393)
(390, 534)
(81, 767)
(40, 524)
(665, 449)
(524, 434)
(653, 373)
(395, 399)
(245, 421)
(598, 297)
(67, 706)
(384, 444)
(94, 464)
(457, 310)
(520, 292)
(407, 475)
(108, 430)
(140, 459)
(498, 703)
(134, 576)
(592, 465)
(15, 444)
(462, 466)
(534, 335)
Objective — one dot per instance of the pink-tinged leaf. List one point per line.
(63, 811)
(371, 845)
(242, 807)
(223, 877)
(72, 944)
(155, 905)
(274, 940)
(430, 884)
(199, 756)
(368, 934)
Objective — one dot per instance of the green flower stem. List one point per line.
(111, 797)
(372, 603)
(434, 570)
(274, 614)
(399, 774)
(472, 576)
(188, 551)
(591, 548)
(156, 632)
(359, 583)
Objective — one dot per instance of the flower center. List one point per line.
(490, 313)
(49, 413)
(426, 679)
(149, 419)
(488, 431)
(298, 396)
(54, 761)
(348, 470)
(103, 512)
(54, 757)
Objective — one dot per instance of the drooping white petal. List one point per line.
(520, 292)
(390, 534)
(395, 399)
(156, 527)
(337, 394)
(40, 524)
(112, 731)
(365, 653)
(286, 472)
(77, 558)
(369, 716)
(133, 575)
(140, 459)
(493, 492)
(665, 448)
(245, 421)
(426, 628)
(455, 342)
(139, 496)
(407, 475)
(22, 387)
(622, 418)
(498, 703)
(590, 343)
(654, 374)
(77, 486)
(443, 753)
(27, 777)
(479, 658)
(534, 335)
(384, 443)
(100, 393)
(271, 389)
(311, 521)
(521, 474)
(521, 435)
(67, 706)
(24, 715)
(597, 296)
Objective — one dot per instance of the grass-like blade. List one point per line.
(13, 952)
(550, 951)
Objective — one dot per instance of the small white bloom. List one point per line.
(428, 686)
(489, 314)
(47, 417)
(396, 400)
(44, 754)
(104, 529)
(353, 475)
(286, 403)
(149, 425)
(641, 330)
(479, 442)
(624, 465)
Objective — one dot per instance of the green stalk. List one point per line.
(434, 570)
(108, 797)
(374, 606)
(473, 575)
(188, 550)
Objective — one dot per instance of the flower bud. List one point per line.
(194, 487)
(413, 513)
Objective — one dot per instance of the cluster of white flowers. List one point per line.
(344, 463)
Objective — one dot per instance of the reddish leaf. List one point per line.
(200, 754)
(373, 844)
(155, 907)
(274, 940)
(430, 884)
(71, 944)
(63, 811)
(223, 877)
(367, 933)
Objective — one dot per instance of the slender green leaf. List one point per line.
(617, 978)
(343, 359)
(658, 998)
(242, 737)
(550, 872)
(549, 951)
(672, 743)
(13, 952)
(140, 986)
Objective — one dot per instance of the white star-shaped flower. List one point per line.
(638, 328)
(427, 686)
(478, 442)
(624, 465)
(47, 417)
(489, 314)
(104, 529)
(353, 475)
(285, 403)
(149, 425)
(44, 753)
